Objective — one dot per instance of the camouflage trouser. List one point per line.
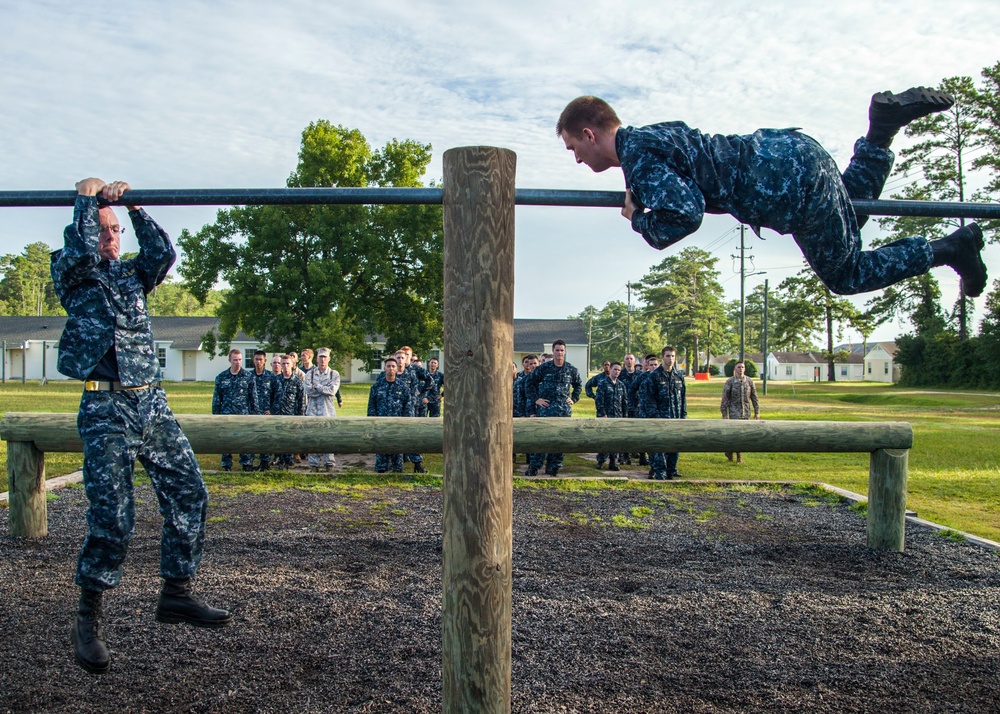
(246, 460)
(433, 409)
(117, 428)
(551, 461)
(812, 201)
(388, 462)
(663, 463)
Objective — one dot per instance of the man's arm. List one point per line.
(577, 383)
(216, 399)
(79, 255)
(684, 399)
(660, 204)
(754, 401)
(591, 383)
(726, 392)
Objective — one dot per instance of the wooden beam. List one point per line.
(477, 530)
(887, 475)
(214, 434)
(26, 481)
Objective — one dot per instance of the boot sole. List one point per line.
(180, 620)
(908, 106)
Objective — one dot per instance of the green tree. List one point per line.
(987, 112)
(26, 286)
(328, 275)
(831, 311)
(174, 299)
(609, 330)
(684, 297)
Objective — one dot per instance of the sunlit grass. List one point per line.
(954, 466)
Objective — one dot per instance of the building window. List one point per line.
(887, 368)
(375, 362)
(843, 371)
(788, 371)
(869, 368)
(248, 358)
(161, 357)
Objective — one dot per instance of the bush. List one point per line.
(713, 369)
(731, 367)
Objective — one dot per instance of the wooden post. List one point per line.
(887, 499)
(478, 433)
(26, 481)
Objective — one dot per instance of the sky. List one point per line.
(186, 94)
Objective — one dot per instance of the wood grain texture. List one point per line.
(478, 437)
(216, 434)
(26, 479)
(887, 477)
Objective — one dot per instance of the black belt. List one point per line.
(103, 386)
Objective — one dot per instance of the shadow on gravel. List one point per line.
(656, 598)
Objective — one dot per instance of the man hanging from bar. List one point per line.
(108, 343)
(774, 178)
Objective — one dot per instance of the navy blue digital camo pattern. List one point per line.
(235, 394)
(663, 395)
(105, 302)
(774, 178)
(611, 401)
(289, 400)
(390, 399)
(557, 385)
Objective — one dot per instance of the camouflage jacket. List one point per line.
(593, 383)
(235, 393)
(611, 399)
(556, 384)
(664, 395)
(391, 399)
(265, 385)
(290, 396)
(105, 300)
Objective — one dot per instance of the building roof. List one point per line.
(812, 358)
(184, 333)
(532, 335)
(859, 347)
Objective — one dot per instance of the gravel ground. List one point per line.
(625, 600)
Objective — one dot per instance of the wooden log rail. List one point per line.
(30, 435)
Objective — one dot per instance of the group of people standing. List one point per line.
(655, 389)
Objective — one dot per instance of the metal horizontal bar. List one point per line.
(410, 196)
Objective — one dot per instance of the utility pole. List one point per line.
(764, 360)
(743, 304)
(628, 322)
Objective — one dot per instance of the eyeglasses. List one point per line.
(114, 230)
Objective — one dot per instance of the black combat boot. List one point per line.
(88, 634)
(418, 468)
(600, 464)
(531, 471)
(888, 112)
(960, 251)
(178, 605)
(613, 464)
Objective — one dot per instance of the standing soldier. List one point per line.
(108, 343)
(664, 396)
(628, 376)
(594, 381)
(649, 363)
(390, 397)
(235, 394)
(551, 391)
(436, 393)
(265, 385)
(419, 382)
(738, 396)
(612, 402)
(290, 400)
(528, 362)
(321, 385)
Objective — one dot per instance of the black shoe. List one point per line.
(554, 472)
(531, 471)
(650, 474)
(657, 477)
(961, 251)
(178, 606)
(248, 469)
(418, 468)
(613, 467)
(675, 474)
(600, 465)
(643, 461)
(627, 462)
(888, 112)
(87, 635)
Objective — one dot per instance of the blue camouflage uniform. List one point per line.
(611, 401)
(433, 395)
(235, 394)
(628, 379)
(265, 386)
(663, 395)
(420, 382)
(556, 384)
(774, 178)
(289, 400)
(108, 336)
(390, 399)
(593, 383)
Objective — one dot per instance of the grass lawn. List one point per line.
(954, 476)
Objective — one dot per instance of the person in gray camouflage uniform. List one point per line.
(739, 398)
(108, 343)
(774, 178)
(235, 394)
(390, 396)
